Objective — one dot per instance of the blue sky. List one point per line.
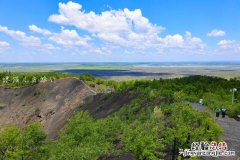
(114, 31)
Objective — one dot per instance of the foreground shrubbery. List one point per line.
(28, 143)
(147, 134)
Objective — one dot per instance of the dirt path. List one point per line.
(231, 129)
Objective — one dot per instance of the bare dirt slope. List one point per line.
(102, 105)
(51, 103)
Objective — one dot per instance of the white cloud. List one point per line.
(226, 43)
(216, 33)
(36, 29)
(230, 45)
(129, 29)
(116, 26)
(28, 40)
(113, 31)
(179, 41)
(21, 36)
(65, 37)
(4, 45)
(193, 42)
(69, 38)
(108, 21)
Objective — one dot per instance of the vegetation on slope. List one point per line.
(147, 127)
(215, 91)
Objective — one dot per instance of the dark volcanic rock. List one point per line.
(103, 105)
(51, 103)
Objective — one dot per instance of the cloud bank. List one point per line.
(121, 31)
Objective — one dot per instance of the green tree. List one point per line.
(9, 141)
(28, 144)
(81, 139)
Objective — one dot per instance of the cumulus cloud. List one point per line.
(4, 45)
(21, 37)
(226, 43)
(27, 40)
(229, 45)
(193, 42)
(36, 29)
(121, 27)
(116, 26)
(216, 33)
(172, 41)
(69, 38)
(108, 21)
(65, 37)
(112, 31)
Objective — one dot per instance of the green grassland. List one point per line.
(48, 68)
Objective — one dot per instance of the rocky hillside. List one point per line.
(51, 103)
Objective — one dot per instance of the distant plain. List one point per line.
(127, 71)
